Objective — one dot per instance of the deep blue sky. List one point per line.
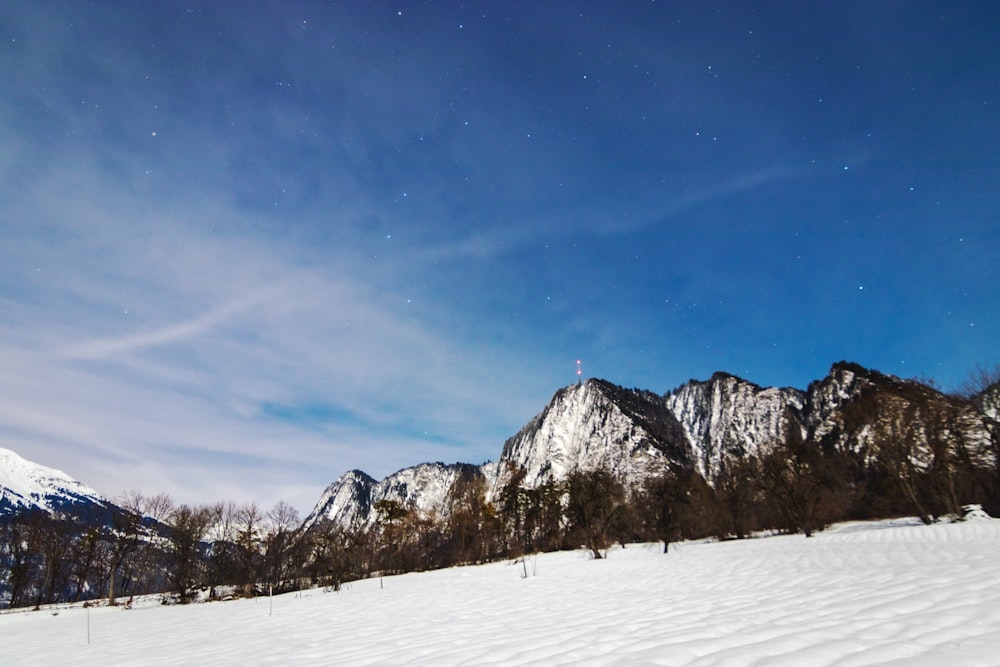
(248, 246)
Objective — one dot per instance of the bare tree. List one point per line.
(145, 567)
(736, 486)
(248, 540)
(978, 385)
(86, 556)
(595, 498)
(125, 540)
(223, 562)
(55, 548)
(796, 478)
(392, 535)
(982, 391)
(662, 501)
(23, 535)
(280, 546)
(337, 555)
(473, 525)
(188, 527)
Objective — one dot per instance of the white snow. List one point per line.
(28, 484)
(887, 593)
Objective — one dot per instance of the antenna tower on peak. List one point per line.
(579, 372)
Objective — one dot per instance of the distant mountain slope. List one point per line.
(25, 485)
(350, 501)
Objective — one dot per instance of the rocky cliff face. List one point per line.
(634, 433)
(862, 411)
(350, 501)
(835, 403)
(988, 402)
(728, 417)
(598, 424)
(585, 426)
(347, 502)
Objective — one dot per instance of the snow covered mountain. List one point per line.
(424, 488)
(728, 417)
(632, 433)
(598, 424)
(27, 485)
(862, 411)
(585, 426)
(698, 426)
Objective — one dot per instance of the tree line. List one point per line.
(144, 544)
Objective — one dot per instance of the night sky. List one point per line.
(247, 246)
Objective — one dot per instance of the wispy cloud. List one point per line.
(175, 333)
(179, 392)
(671, 203)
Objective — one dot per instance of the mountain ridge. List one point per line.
(721, 457)
(699, 426)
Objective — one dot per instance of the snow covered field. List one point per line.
(858, 594)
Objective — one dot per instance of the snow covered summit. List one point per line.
(28, 485)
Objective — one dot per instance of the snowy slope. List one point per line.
(27, 485)
(888, 593)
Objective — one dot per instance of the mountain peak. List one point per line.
(597, 424)
(28, 485)
(351, 500)
(728, 416)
